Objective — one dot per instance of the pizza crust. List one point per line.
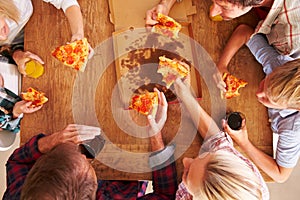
(32, 95)
(171, 70)
(233, 84)
(166, 26)
(145, 104)
(74, 54)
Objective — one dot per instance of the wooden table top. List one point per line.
(71, 93)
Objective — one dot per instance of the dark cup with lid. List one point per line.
(91, 148)
(235, 120)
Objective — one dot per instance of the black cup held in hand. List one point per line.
(235, 120)
(91, 148)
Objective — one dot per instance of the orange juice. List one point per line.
(216, 18)
(34, 69)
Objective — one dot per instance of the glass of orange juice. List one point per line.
(34, 69)
(216, 18)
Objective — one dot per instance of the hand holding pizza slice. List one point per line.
(145, 104)
(233, 84)
(32, 95)
(74, 54)
(166, 26)
(172, 69)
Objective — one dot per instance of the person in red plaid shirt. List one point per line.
(52, 167)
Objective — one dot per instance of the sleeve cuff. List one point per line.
(160, 157)
(36, 152)
(68, 4)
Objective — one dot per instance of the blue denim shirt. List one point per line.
(286, 123)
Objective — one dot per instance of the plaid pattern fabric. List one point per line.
(164, 186)
(23, 158)
(282, 27)
(19, 165)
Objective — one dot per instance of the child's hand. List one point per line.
(151, 14)
(24, 107)
(21, 57)
(157, 122)
(219, 81)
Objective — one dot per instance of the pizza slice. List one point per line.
(172, 69)
(37, 98)
(233, 84)
(145, 104)
(166, 26)
(74, 54)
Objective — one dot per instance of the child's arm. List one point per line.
(238, 38)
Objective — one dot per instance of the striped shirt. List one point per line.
(282, 27)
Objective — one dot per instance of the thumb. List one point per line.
(27, 104)
(151, 120)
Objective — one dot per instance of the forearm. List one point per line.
(238, 38)
(157, 143)
(74, 16)
(266, 162)
(168, 3)
(204, 123)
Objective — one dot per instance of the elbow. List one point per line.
(282, 177)
(245, 30)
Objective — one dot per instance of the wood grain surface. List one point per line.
(90, 97)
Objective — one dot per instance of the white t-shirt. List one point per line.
(26, 9)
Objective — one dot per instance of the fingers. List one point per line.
(151, 17)
(87, 132)
(244, 125)
(29, 109)
(77, 36)
(161, 98)
(91, 52)
(220, 83)
(179, 86)
(26, 107)
(34, 57)
(151, 121)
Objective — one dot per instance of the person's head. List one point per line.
(62, 173)
(7, 10)
(220, 175)
(230, 9)
(281, 88)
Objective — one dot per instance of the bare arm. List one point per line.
(74, 16)
(238, 38)
(261, 159)
(204, 123)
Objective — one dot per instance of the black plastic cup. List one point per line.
(235, 120)
(91, 148)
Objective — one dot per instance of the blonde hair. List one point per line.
(9, 9)
(229, 177)
(284, 85)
